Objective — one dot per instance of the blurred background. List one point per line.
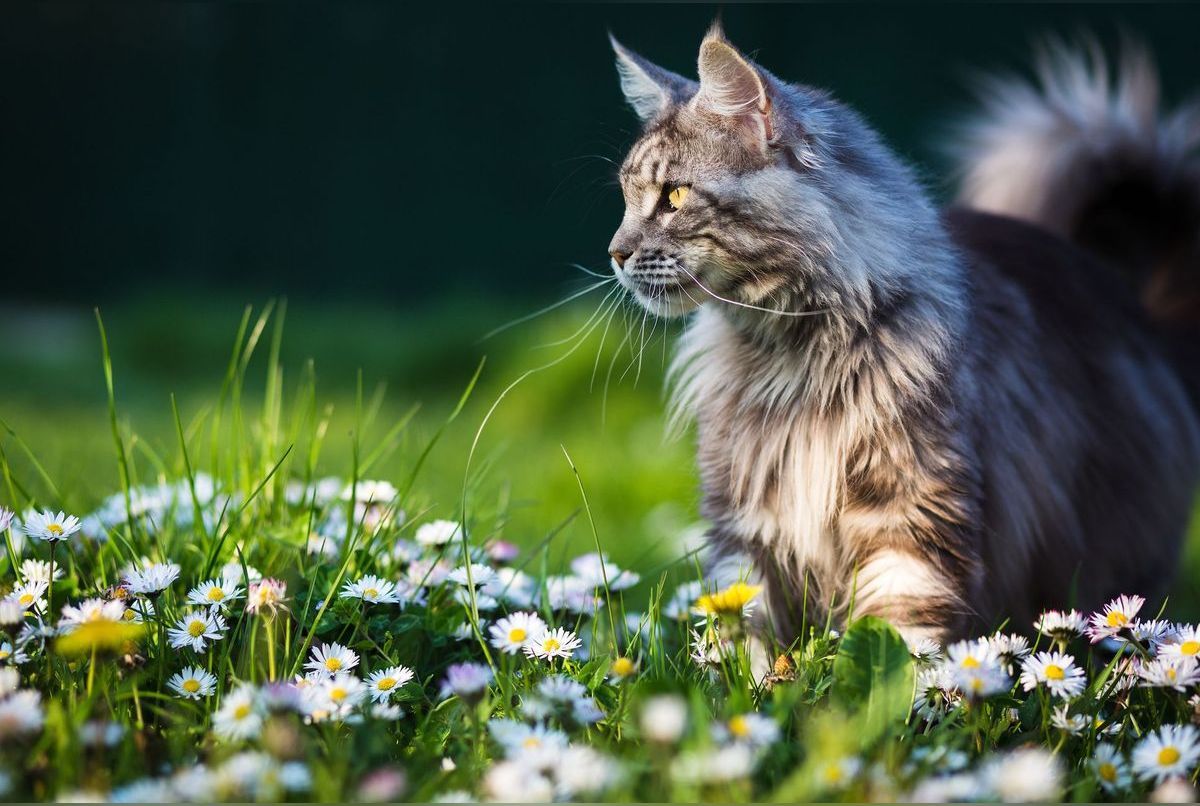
(407, 179)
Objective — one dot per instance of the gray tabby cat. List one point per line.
(948, 418)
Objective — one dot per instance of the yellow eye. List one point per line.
(676, 197)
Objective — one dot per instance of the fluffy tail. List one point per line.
(1088, 154)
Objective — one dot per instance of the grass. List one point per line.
(211, 461)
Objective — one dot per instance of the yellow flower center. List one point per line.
(970, 662)
(54, 529)
(26, 599)
(739, 726)
(333, 664)
(1054, 672)
(532, 743)
(517, 635)
(196, 628)
(337, 694)
(1171, 673)
(551, 645)
(1168, 756)
(976, 684)
(4, 653)
(1117, 619)
(370, 593)
(215, 594)
(191, 686)
(129, 615)
(241, 712)
(1108, 771)
(1190, 648)
(833, 773)
(730, 601)
(623, 667)
(386, 684)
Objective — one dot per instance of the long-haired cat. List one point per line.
(944, 417)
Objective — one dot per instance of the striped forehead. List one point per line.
(649, 161)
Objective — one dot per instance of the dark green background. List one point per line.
(369, 149)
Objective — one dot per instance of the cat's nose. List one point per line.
(618, 256)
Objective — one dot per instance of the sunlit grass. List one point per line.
(411, 600)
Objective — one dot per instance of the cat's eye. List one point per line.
(676, 196)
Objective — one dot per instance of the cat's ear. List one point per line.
(731, 86)
(648, 88)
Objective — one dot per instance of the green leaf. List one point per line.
(873, 677)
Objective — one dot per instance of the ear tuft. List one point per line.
(648, 88)
(716, 33)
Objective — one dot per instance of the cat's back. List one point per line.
(1087, 441)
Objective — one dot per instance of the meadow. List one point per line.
(334, 553)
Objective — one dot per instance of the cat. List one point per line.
(940, 418)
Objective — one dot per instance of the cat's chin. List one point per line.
(668, 302)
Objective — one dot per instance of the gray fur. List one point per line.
(888, 407)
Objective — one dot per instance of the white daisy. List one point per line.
(1061, 626)
(480, 574)
(511, 633)
(1028, 774)
(335, 697)
(1119, 614)
(837, 773)
(39, 570)
(976, 654)
(1071, 724)
(30, 595)
(218, 592)
(386, 682)
(371, 589)
(1009, 649)
(977, 682)
(1177, 672)
(90, 610)
(139, 611)
(196, 628)
(537, 745)
(152, 580)
(331, 659)
(1185, 643)
(193, 683)
(664, 718)
(582, 770)
(234, 573)
(240, 715)
(438, 533)
(1170, 751)
(751, 729)
(557, 643)
(1110, 768)
(598, 571)
(937, 694)
(515, 782)
(1056, 671)
(925, 651)
(387, 712)
(50, 526)
(12, 655)
(467, 681)
(1153, 633)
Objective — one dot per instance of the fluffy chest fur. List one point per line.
(772, 467)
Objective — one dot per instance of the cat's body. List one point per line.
(946, 418)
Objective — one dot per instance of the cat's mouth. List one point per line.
(665, 296)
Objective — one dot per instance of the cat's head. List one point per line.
(744, 188)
